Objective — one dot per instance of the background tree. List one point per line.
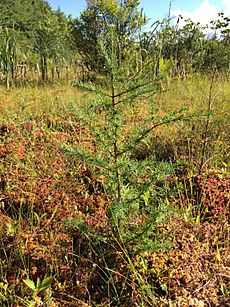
(44, 35)
(125, 16)
(218, 51)
(51, 41)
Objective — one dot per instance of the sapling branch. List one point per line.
(129, 90)
(147, 131)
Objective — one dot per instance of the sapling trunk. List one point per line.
(115, 147)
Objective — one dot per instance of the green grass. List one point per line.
(54, 208)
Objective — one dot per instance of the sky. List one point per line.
(201, 11)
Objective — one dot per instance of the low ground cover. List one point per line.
(55, 208)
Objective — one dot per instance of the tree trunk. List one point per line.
(44, 69)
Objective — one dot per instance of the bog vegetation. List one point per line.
(114, 170)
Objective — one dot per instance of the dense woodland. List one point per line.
(114, 158)
(38, 43)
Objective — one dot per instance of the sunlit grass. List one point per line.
(35, 101)
(41, 186)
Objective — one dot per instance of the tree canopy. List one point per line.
(32, 32)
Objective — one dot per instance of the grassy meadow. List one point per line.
(58, 242)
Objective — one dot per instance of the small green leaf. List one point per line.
(30, 284)
(38, 283)
(46, 283)
(164, 287)
(224, 290)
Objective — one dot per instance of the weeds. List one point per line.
(40, 286)
(56, 209)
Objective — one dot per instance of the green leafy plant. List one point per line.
(224, 290)
(37, 288)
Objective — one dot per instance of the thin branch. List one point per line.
(130, 90)
(147, 131)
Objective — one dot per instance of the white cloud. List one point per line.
(204, 13)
